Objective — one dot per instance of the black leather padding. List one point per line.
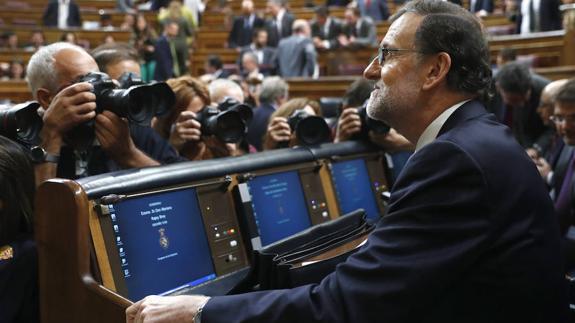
(140, 179)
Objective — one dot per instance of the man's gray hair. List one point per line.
(221, 88)
(40, 72)
(273, 88)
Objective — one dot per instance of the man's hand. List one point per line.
(543, 167)
(113, 134)
(278, 131)
(391, 141)
(187, 129)
(71, 107)
(348, 124)
(158, 309)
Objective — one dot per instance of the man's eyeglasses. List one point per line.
(558, 119)
(383, 53)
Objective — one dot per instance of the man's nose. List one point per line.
(372, 71)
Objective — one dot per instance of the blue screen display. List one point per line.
(161, 242)
(353, 187)
(279, 205)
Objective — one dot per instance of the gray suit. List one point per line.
(296, 56)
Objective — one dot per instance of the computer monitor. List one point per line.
(354, 188)
(276, 205)
(161, 243)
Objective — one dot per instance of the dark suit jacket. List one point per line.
(334, 30)
(479, 5)
(19, 284)
(259, 125)
(527, 125)
(549, 16)
(338, 3)
(273, 36)
(366, 36)
(164, 60)
(241, 35)
(50, 17)
(469, 237)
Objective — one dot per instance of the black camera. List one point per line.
(138, 103)
(228, 121)
(368, 124)
(309, 129)
(21, 123)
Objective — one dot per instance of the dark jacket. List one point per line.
(469, 237)
(242, 30)
(50, 17)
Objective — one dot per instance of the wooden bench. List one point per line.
(93, 37)
(7, 55)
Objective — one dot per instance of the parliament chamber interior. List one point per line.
(262, 220)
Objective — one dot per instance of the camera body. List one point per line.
(368, 124)
(138, 103)
(309, 129)
(228, 121)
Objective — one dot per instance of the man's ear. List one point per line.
(437, 68)
(44, 97)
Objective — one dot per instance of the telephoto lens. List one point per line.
(309, 129)
(21, 123)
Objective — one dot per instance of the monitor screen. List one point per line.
(279, 205)
(353, 187)
(161, 242)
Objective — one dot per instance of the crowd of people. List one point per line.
(429, 82)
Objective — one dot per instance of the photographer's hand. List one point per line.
(186, 129)
(69, 108)
(113, 134)
(348, 124)
(278, 131)
(392, 141)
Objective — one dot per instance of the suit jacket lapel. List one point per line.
(469, 110)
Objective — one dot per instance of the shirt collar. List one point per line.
(430, 133)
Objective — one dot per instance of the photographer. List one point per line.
(53, 73)
(18, 257)
(279, 130)
(183, 125)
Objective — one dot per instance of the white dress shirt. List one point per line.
(63, 12)
(431, 132)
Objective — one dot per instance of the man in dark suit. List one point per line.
(358, 31)
(376, 9)
(337, 3)
(325, 29)
(297, 56)
(165, 53)
(543, 15)
(62, 14)
(273, 94)
(244, 26)
(280, 24)
(481, 7)
(266, 55)
(520, 92)
(469, 235)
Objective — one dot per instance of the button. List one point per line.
(217, 235)
(232, 231)
(233, 243)
(324, 214)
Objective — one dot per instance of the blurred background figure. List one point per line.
(325, 29)
(36, 40)
(10, 40)
(274, 92)
(279, 25)
(358, 31)
(177, 13)
(165, 54)
(243, 26)
(266, 55)
(376, 9)
(18, 256)
(62, 14)
(535, 16)
(296, 55)
(143, 39)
